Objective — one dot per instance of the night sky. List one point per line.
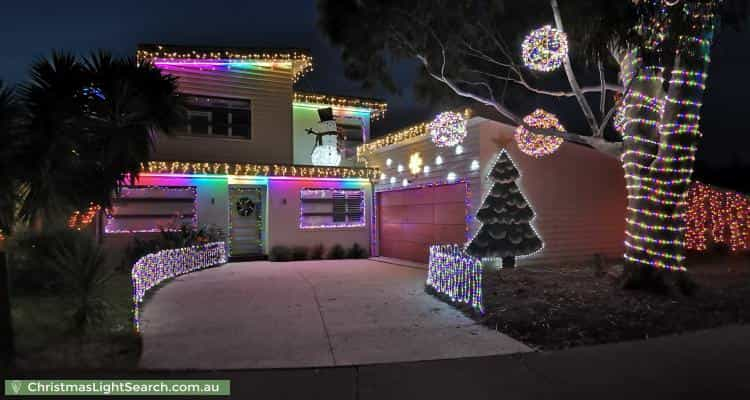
(31, 29)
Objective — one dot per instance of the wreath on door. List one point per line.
(245, 207)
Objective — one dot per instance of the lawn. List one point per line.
(573, 305)
(44, 339)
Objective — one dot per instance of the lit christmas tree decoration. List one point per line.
(544, 49)
(506, 231)
(448, 129)
(534, 144)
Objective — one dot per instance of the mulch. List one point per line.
(576, 305)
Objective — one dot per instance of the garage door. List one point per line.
(411, 220)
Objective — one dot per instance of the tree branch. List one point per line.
(552, 93)
(587, 112)
(613, 149)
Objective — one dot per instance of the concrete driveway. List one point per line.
(305, 314)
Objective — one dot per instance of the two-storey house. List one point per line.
(242, 163)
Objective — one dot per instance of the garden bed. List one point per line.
(44, 339)
(571, 305)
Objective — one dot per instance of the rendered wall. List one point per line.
(305, 116)
(282, 208)
(283, 216)
(578, 193)
(270, 94)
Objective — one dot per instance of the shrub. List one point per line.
(317, 252)
(81, 264)
(299, 253)
(280, 253)
(337, 252)
(185, 236)
(29, 273)
(356, 251)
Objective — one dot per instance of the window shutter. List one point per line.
(339, 207)
(354, 206)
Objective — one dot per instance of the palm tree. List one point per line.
(76, 132)
(8, 113)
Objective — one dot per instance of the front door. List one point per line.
(246, 220)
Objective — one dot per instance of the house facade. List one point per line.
(242, 163)
(428, 195)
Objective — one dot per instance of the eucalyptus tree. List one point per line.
(642, 61)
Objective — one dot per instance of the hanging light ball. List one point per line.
(544, 49)
(447, 129)
(534, 144)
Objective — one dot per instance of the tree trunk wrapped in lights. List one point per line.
(661, 131)
(661, 49)
(506, 232)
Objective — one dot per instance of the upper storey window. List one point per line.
(215, 116)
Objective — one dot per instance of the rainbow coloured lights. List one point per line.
(448, 129)
(456, 275)
(311, 220)
(661, 130)
(375, 108)
(299, 61)
(154, 268)
(537, 145)
(544, 49)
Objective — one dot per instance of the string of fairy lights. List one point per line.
(717, 216)
(377, 108)
(301, 60)
(400, 136)
(79, 220)
(660, 134)
(249, 169)
(154, 268)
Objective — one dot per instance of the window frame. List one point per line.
(348, 222)
(229, 124)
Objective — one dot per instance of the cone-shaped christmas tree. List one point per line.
(506, 231)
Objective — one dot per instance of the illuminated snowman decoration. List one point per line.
(326, 150)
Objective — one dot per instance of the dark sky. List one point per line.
(30, 29)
